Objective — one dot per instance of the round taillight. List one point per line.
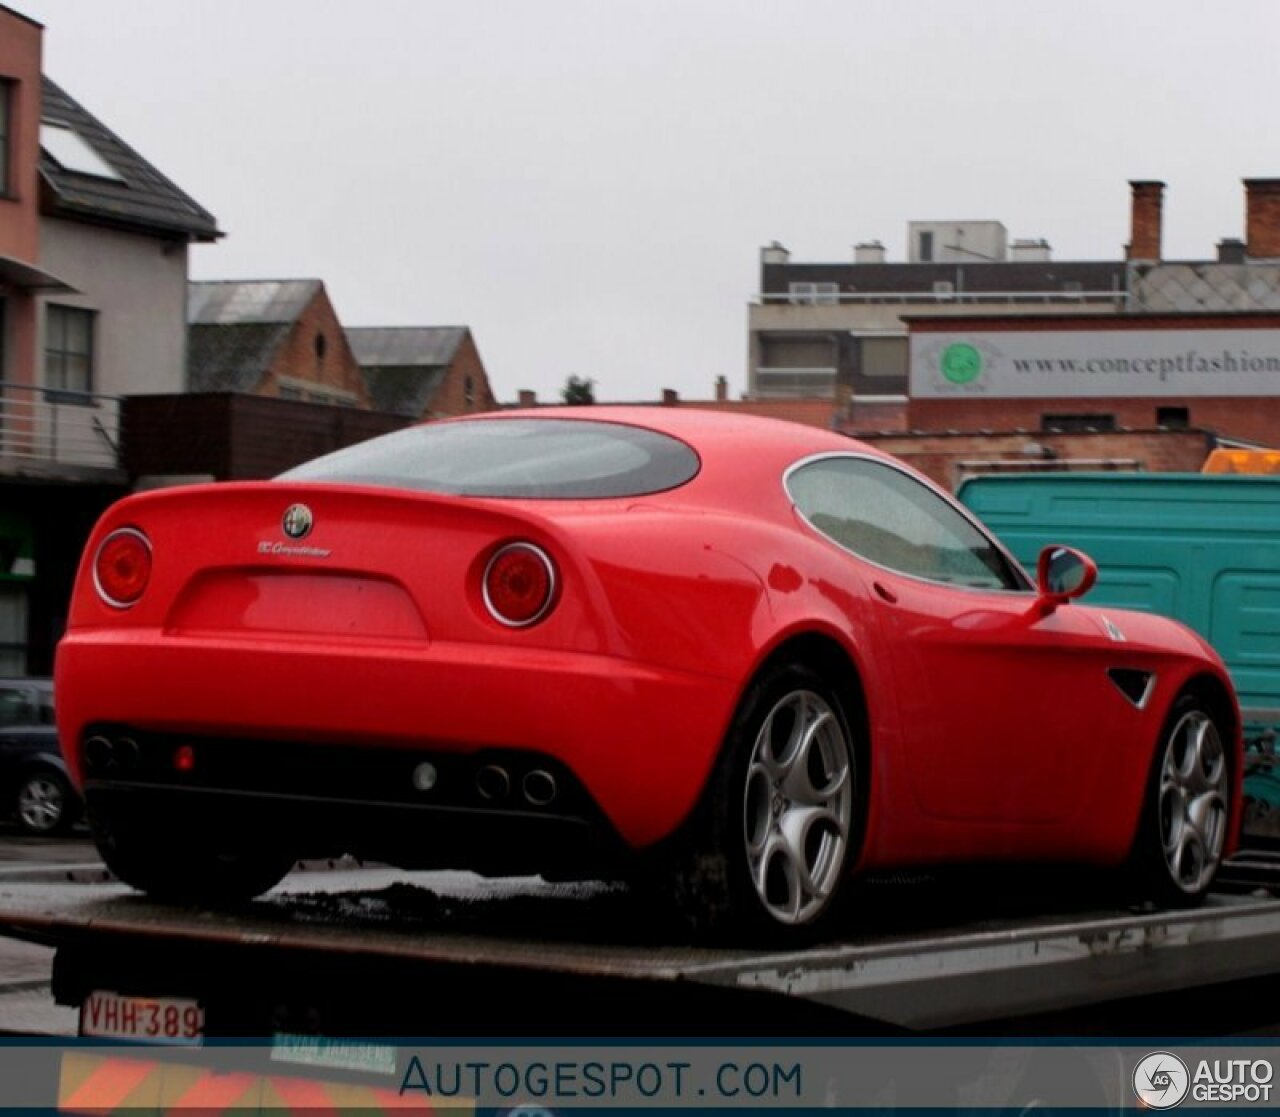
(122, 567)
(519, 584)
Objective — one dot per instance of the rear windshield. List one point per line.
(566, 459)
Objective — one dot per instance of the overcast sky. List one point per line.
(587, 183)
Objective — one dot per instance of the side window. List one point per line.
(889, 518)
(15, 707)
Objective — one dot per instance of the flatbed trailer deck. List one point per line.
(443, 954)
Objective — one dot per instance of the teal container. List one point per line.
(1202, 548)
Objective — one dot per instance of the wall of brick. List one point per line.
(329, 362)
(1251, 418)
(20, 59)
(1146, 220)
(949, 458)
(453, 397)
(1262, 218)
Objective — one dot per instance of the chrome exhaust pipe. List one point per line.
(99, 753)
(539, 787)
(493, 782)
(127, 754)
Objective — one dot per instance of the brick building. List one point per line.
(949, 457)
(974, 333)
(422, 372)
(278, 338)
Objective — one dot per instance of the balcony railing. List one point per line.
(843, 298)
(49, 427)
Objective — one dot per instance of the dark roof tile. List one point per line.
(232, 358)
(142, 199)
(404, 366)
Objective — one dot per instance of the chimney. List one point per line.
(774, 253)
(1262, 218)
(1030, 251)
(869, 252)
(1230, 251)
(528, 398)
(1144, 228)
(670, 397)
(722, 389)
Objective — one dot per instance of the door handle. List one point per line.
(885, 592)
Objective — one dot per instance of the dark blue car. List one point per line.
(34, 785)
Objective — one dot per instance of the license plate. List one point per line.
(153, 1019)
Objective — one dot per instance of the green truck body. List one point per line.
(1202, 548)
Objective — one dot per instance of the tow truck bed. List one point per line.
(381, 953)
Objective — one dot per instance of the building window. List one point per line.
(72, 152)
(13, 630)
(469, 391)
(68, 348)
(311, 391)
(1173, 418)
(814, 294)
(1068, 423)
(884, 357)
(926, 247)
(6, 132)
(322, 346)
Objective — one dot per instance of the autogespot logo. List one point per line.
(1161, 1080)
(961, 363)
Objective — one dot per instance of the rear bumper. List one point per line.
(640, 740)
(410, 836)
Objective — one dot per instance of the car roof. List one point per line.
(743, 456)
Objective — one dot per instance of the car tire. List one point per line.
(45, 803)
(168, 867)
(768, 853)
(1183, 830)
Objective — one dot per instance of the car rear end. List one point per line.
(430, 678)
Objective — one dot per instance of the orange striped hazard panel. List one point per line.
(105, 1084)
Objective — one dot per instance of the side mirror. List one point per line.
(1061, 574)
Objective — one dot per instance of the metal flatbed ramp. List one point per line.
(580, 953)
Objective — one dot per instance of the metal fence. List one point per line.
(55, 427)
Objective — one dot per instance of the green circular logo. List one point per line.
(961, 363)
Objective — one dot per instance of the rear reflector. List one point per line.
(519, 584)
(122, 567)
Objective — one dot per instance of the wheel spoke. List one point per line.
(798, 782)
(762, 756)
(775, 867)
(1196, 767)
(797, 830)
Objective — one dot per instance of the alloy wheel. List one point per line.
(1193, 802)
(798, 807)
(41, 803)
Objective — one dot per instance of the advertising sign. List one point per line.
(1095, 363)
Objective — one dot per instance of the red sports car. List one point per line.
(748, 657)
